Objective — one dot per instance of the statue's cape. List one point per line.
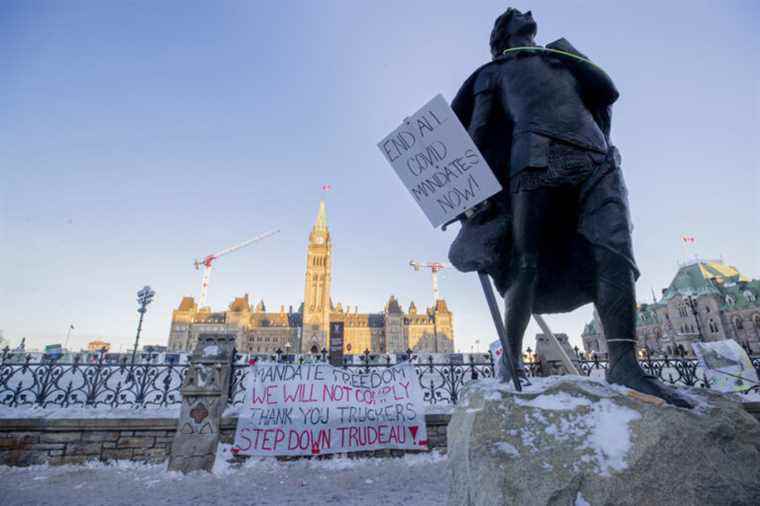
(566, 272)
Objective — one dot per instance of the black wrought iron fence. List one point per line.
(441, 382)
(52, 383)
(121, 384)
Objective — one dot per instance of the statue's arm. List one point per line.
(490, 127)
(463, 102)
(482, 112)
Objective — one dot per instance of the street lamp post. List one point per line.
(691, 301)
(68, 334)
(144, 297)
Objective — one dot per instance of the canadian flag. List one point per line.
(688, 239)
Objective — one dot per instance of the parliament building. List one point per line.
(708, 300)
(306, 330)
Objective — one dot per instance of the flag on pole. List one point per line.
(688, 239)
(326, 187)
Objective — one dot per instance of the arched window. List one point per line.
(756, 320)
(738, 323)
(730, 300)
(713, 326)
(749, 296)
(707, 309)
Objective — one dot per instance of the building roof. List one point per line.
(240, 304)
(703, 277)
(441, 307)
(187, 304)
(590, 329)
(393, 306)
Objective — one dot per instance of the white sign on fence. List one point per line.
(314, 409)
(438, 163)
(726, 365)
(496, 350)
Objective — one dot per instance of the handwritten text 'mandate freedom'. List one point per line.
(323, 372)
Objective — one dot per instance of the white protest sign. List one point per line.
(314, 409)
(438, 163)
(726, 365)
(496, 350)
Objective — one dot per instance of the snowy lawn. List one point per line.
(419, 479)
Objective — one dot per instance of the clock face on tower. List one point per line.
(319, 240)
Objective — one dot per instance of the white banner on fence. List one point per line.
(727, 366)
(314, 409)
(438, 163)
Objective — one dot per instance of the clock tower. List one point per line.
(316, 299)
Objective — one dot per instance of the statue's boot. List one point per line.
(616, 303)
(625, 370)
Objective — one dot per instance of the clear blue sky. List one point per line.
(137, 136)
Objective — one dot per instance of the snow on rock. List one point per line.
(579, 440)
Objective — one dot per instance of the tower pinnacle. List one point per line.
(321, 223)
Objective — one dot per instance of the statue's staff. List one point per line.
(485, 282)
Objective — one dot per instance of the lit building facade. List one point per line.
(306, 330)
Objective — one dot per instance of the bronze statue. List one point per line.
(559, 235)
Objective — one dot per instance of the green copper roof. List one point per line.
(702, 277)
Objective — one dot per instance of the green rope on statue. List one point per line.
(554, 51)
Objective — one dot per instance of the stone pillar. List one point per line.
(204, 397)
(549, 356)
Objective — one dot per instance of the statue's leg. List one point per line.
(615, 300)
(529, 212)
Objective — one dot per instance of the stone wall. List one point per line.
(73, 441)
(27, 441)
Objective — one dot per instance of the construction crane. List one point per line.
(207, 262)
(435, 268)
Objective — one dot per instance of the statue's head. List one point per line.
(511, 29)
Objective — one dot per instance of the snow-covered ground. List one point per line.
(419, 479)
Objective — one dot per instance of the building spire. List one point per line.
(321, 223)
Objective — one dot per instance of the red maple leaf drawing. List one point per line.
(413, 430)
(315, 449)
(251, 361)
